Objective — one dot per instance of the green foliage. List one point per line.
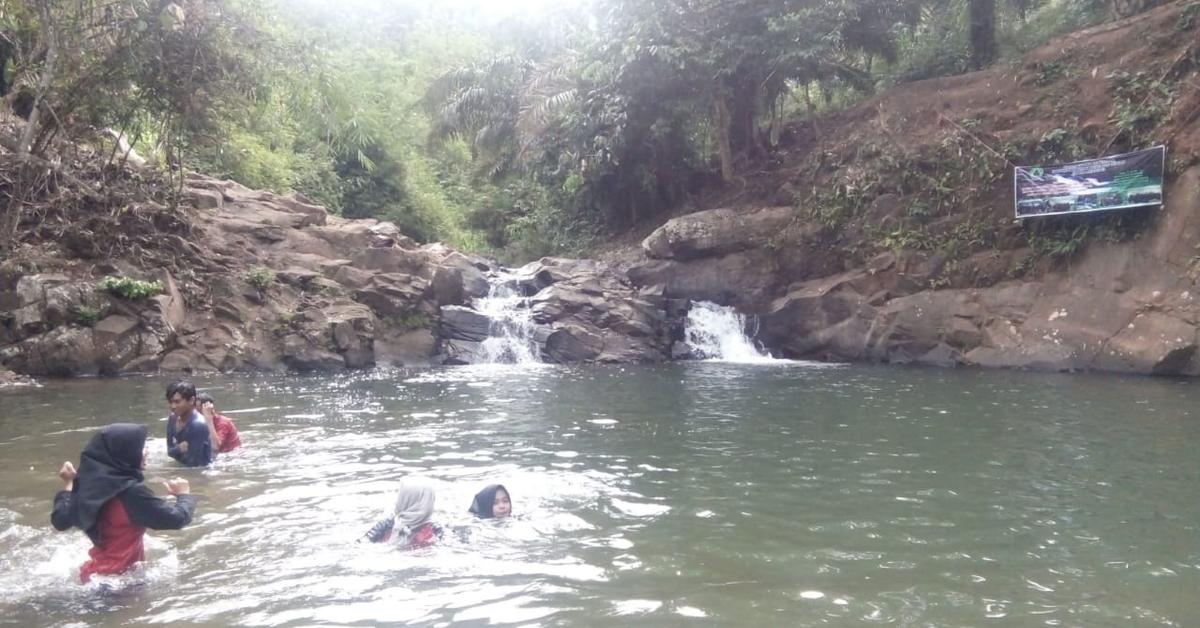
(86, 315)
(1140, 103)
(1060, 145)
(1188, 18)
(1059, 238)
(260, 277)
(540, 136)
(128, 288)
(408, 322)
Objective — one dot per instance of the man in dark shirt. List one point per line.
(187, 432)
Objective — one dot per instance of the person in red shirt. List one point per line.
(410, 525)
(222, 431)
(108, 499)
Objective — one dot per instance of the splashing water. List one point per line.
(510, 336)
(716, 332)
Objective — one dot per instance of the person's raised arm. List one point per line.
(147, 509)
(60, 516)
(210, 412)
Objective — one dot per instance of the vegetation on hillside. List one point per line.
(517, 135)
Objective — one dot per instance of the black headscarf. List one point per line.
(110, 464)
(481, 506)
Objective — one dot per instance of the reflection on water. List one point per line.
(718, 494)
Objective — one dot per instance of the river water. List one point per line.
(706, 494)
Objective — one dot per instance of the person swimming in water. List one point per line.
(108, 499)
(492, 501)
(410, 525)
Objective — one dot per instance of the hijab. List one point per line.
(481, 506)
(414, 505)
(110, 464)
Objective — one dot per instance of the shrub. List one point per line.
(86, 315)
(128, 288)
(260, 277)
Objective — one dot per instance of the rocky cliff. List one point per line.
(900, 246)
(262, 282)
(880, 233)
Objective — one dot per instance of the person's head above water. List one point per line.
(492, 501)
(111, 462)
(414, 504)
(181, 397)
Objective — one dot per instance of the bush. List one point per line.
(86, 315)
(260, 277)
(128, 288)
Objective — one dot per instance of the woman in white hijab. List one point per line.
(410, 525)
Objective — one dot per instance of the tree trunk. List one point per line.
(724, 148)
(46, 79)
(983, 32)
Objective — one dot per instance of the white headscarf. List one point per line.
(414, 506)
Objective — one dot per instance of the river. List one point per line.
(706, 494)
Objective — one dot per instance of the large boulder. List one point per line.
(463, 323)
(393, 294)
(405, 348)
(717, 232)
(61, 352)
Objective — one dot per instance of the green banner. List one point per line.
(1116, 182)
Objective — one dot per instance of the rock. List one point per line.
(296, 276)
(296, 203)
(458, 352)
(352, 328)
(1151, 342)
(393, 294)
(44, 301)
(203, 199)
(178, 361)
(745, 280)
(413, 348)
(61, 352)
(301, 356)
(536, 276)
(716, 232)
(571, 344)
(116, 342)
(171, 307)
(9, 379)
(462, 323)
(351, 277)
(825, 318)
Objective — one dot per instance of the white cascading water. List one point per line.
(716, 332)
(510, 335)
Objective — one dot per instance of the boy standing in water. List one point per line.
(188, 439)
(221, 430)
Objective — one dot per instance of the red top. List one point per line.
(422, 536)
(227, 433)
(120, 544)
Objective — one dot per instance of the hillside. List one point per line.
(885, 232)
(882, 232)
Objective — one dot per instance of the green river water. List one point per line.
(702, 494)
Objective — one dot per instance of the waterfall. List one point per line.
(510, 332)
(716, 332)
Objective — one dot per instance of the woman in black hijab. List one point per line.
(107, 499)
(492, 501)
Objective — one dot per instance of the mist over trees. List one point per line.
(516, 134)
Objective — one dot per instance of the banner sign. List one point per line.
(1116, 182)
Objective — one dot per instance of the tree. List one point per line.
(982, 32)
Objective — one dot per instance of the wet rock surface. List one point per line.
(285, 286)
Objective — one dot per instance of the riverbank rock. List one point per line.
(9, 379)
